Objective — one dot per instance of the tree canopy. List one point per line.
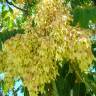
(42, 42)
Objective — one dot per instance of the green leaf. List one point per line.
(76, 89)
(3, 7)
(82, 89)
(26, 92)
(4, 13)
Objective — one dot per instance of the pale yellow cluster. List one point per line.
(20, 1)
(33, 55)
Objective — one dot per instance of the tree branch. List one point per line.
(10, 3)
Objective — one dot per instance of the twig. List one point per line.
(10, 3)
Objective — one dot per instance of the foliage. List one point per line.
(79, 3)
(51, 56)
(84, 16)
(34, 55)
(83, 12)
